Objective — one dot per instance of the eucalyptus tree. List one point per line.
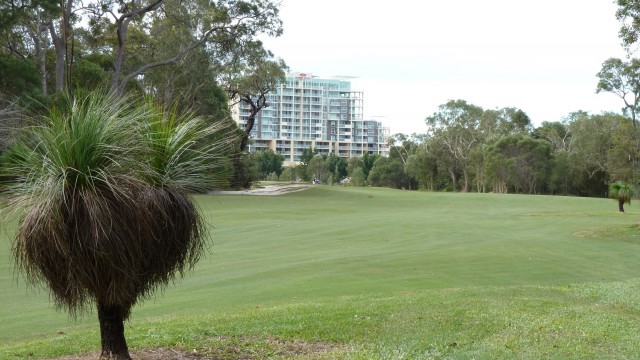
(368, 161)
(353, 163)
(519, 163)
(337, 167)
(268, 162)
(357, 178)
(358, 168)
(18, 77)
(318, 168)
(307, 155)
(191, 84)
(423, 167)
(24, 34)
(101, 190)
(250, 84)
(605, 146)
(221, 27)
(623, 155)
(249, 74)
(628, 13)
(591, 141)
(565, 177)
(512, 120)
(133, 31)
(388, 173)
(14, 12)
(401, 146)
(446, 165)
(557, 133)
(456, 125)
(622, 79)
(31, 26)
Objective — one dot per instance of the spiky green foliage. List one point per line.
(621, 191)
(187, 151)
(101, 187)
(77, 179)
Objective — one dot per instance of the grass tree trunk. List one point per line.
(114, 344)
(621, 205)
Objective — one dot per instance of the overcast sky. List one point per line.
(409, 56)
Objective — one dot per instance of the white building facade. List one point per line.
(310, 112)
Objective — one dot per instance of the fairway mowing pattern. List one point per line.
(327, 245)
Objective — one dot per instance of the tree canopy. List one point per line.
(622, 79)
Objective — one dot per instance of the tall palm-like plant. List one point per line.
(621, 191)
(105, 217)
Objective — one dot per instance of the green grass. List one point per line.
(383, 274)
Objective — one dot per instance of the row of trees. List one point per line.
(173, 49)
(469, 148)
(191, 56)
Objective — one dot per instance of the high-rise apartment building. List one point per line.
(310, 112)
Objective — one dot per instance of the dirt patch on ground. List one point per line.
(158, 354)
(235, 348)
(275, 189)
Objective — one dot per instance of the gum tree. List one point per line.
(456, 125)
(622, 79)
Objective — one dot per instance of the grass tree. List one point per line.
(102, 194)
(621, 191)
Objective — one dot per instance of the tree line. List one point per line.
(471, 149)
(196, 56)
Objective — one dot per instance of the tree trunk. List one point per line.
(256, 106)
(621, 205)
(116, 88)
(42, 68)
(454, 179)
(40, 46)
(247, 130)
(466, 179)
(60, 41)
(61, 52)
(251, 119)
(235, 178)
(114, 344)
